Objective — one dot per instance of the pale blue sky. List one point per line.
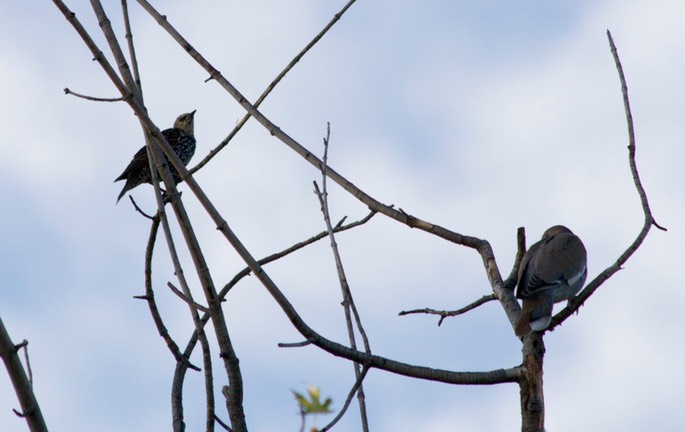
(478, 117)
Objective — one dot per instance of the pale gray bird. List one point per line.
(552, 270)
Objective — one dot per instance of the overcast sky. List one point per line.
(477, 116)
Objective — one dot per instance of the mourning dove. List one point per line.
(552, 270)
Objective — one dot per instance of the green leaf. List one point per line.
(313, 405)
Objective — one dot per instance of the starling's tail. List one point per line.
(123, 192)
(127, 187)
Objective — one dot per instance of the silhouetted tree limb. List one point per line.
(23, 388)
(649, 221)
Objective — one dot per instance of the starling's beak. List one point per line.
(193, 113)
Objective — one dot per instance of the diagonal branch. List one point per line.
(357, 386)
(271, 86)
(23, 388)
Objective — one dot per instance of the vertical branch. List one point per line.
(122, 64)
(23, 388)
(149, 296)
(198, 323)
(157, 160)
(348, 302)
(631, 135)
(182, 360)
(531, 389)
(132, 49)
(234, 400)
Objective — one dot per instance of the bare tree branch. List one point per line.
(150, 297)
(278, 255)
(349, 306)
(575, 303)
(132, 49)
(357, 386)
(271, 86)
(67, 91)
(444, 313)
(30, 410)
(511, 281)
(183, 297)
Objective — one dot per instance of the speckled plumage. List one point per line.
(182, 140)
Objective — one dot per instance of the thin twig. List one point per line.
(182, 296)
(293, 344)
(151, 302)
(25, 345)
(349, 306)
(131, 49)
(357, 386)
(92, 98)
(271, 86)
(511, 281)
(222, 424)
(278, 255)
(138, 209)
(444, 313)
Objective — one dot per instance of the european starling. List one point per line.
(180, 138)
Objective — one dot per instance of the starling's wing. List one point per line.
(171, 135)
(138, 162)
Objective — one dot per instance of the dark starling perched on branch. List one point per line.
(180, 138)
